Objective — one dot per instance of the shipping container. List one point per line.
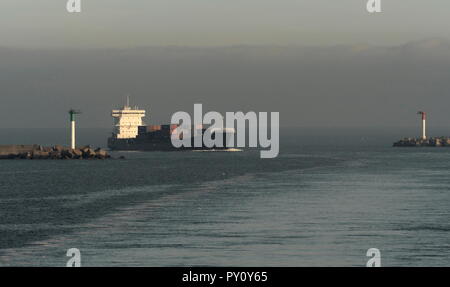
(153, 128)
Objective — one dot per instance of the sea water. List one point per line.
(323, 202)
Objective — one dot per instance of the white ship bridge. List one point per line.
(127, 121)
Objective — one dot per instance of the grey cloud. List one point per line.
(359, 85)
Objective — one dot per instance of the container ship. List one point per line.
(131, 134)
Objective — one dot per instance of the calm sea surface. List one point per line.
(322, 202)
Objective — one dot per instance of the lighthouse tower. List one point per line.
(72, 114)
(424, 124)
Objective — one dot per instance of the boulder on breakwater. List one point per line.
(55, 152)
(428, 142)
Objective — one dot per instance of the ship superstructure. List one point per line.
(127, 121)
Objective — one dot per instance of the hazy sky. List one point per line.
(125, 23)
(317, 62)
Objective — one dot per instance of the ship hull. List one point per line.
(154, 142)
(139, 145)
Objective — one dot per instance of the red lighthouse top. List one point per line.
(424, 115)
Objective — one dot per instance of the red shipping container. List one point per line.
(153, 128)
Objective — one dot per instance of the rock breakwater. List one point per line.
(54, 152)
